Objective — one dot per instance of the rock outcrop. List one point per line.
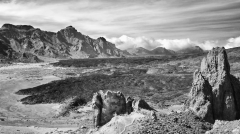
(107, 105)
(215, 93)
(140, 104)
(66, 43)
(129, 107)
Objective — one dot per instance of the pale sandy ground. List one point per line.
(17, 118)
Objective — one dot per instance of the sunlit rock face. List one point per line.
(215, 92)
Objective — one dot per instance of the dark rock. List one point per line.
(19, 27)
(129, 102)
(97, 104)
(141, 104)
(70, 105)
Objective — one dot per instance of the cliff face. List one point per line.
(66, 43)
(215, 93)
(7, 53)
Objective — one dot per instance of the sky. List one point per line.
(173, 24)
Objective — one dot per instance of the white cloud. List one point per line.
(124, 42)
(194, 19)
(233, 42)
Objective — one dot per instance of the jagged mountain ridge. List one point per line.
(66, 43)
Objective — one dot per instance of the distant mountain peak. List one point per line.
(102, 38)
(192, 49)
(20, 27)
(70, 27)
(156, 51)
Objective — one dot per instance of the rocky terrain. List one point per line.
(226, 127)
(142, 119)
(66, 43)
(60, 95)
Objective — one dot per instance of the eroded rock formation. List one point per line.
(215, 93)
(107, 105)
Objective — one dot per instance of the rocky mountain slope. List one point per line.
(140, 51)
(157, 51)
(191, 50)
(66, 43)
(162, 50)
(7, 53)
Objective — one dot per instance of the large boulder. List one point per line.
(106, 105)
(109, 104)
(215, 93)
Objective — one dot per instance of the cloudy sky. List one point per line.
(173, 24)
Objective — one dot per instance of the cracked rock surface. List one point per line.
(215, 93)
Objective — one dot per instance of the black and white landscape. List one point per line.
(119, 67)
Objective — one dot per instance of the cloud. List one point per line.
(124, 42)
(233, 42)
(167, 19)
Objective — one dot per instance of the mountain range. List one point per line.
(66, 43)
(26, 44)
(140, 51)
